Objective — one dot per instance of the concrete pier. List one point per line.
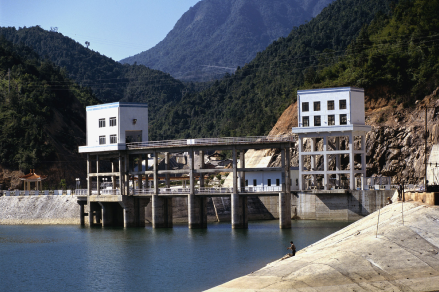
(239, 211)
(284, 210)
(161, 212)
(116, 210)
(197, 212)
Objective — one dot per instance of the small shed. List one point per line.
(217, 156)
(32, 177)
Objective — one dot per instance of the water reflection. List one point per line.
(71, 258)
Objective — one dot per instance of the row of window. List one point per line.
(111, 120)
(103, 139)
(343, 120)
(255, 182)
(330, 105)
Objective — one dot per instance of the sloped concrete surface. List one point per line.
(400, 258)
(39, 210)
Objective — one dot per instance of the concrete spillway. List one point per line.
(402, 257)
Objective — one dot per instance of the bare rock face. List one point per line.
(395, 146)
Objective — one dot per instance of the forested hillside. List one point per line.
(397, 57)
(250, 101)
(218, 34)
(42, 112)
(109, 80)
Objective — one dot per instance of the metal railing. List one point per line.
(211, 141)
(206, 190)
(17, 193)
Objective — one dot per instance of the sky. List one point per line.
(114, 28)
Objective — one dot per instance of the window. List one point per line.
(246, 182)
(316, 106)
(254, 182)
(305, 107)
(102, 140)
(331, 120)
(297, 181)
(277, 182)
(112, 122)
(101, 123)
(269, 182)
(113, 139)
(317, 121)
(343, 119)
(342, 104)
(330, 105)
(305, 121)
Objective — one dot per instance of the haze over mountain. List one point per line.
(216, 36)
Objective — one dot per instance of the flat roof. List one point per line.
(326, 90)
(115, 104)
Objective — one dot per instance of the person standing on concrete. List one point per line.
(293, 248)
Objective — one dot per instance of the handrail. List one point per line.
(211, 141)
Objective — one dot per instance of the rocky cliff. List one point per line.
(395, 145)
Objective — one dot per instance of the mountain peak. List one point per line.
(216, 36)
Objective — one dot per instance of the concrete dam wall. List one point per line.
(39, 210)
(329, 205)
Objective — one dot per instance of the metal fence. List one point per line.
(16, 193)
(211, 141)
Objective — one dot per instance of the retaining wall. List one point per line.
(331, 205)
(39, 210)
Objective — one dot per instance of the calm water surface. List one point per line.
(71, 258)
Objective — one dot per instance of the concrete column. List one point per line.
(156, 174)
(313, 161)
(351, 162)
(285, 195)
(197, 211)
(288, 170)
(82, 213)
(167, 167)
(88, 175)
(197, 207)
(284, 210)
(201, 153)
(239, 211)
(283, 174)
(127, 174)
(191, 171)
(139, 169)
(337, 159)
(161, 212)
(98, 181)
(242, 165)
(325, 162)
(235, 171)
(301, 184)
(113, 177)
(121, 175)
(363, 156)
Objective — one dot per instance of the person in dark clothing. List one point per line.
(293, 248)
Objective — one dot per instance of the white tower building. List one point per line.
(331, 115)
(110, 126)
